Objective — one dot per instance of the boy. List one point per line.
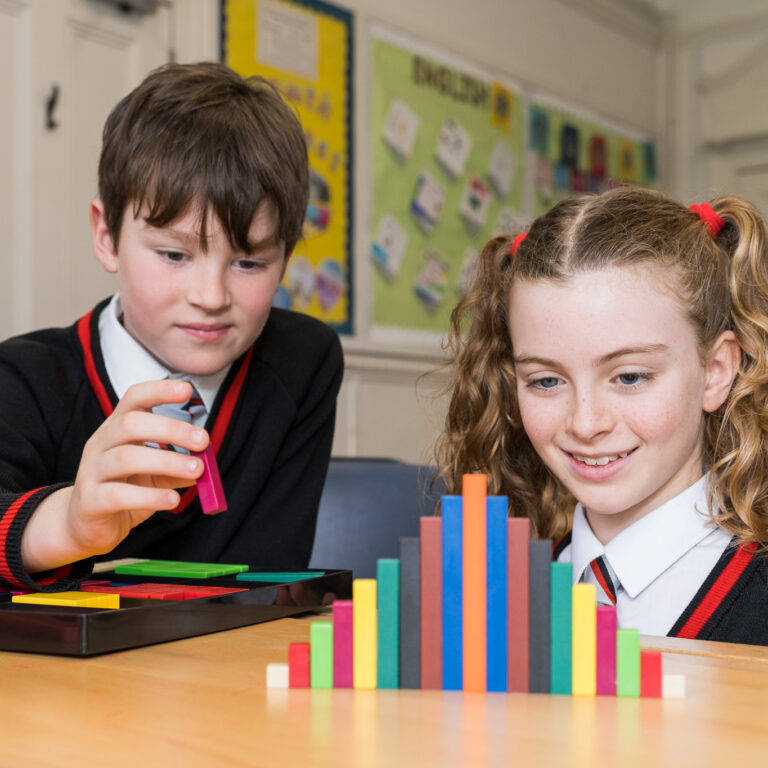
(203, 185)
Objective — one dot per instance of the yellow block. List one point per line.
(584, 640)
(364, 633)
(78, 599)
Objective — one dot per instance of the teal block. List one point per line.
(281, 577)
(388, 623)
(561, 654)
(179, 570)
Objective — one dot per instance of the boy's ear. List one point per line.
(722, 366)
(103, 247)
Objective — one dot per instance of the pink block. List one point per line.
(209, 487)
(606, 650)
(342, 644)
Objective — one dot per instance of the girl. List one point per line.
(611, 378)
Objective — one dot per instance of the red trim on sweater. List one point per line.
(5, 526)
(84, 333)
(718, 591)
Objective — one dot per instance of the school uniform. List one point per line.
(270, 417)
(673, 572)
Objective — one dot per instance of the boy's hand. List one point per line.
(120, 482)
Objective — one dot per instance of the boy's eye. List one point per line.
(173, 256)
(248, 265)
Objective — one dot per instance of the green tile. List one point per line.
(175, 569)
(278, 576)
(627, 662)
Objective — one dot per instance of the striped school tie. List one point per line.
(603, 576)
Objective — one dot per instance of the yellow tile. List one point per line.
(78, 599)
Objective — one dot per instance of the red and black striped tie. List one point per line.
(600, 569)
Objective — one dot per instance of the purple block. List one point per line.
(606, 650)
(209, 487)
(342, 644)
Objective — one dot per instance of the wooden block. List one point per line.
(518, 538)
(298, 665)
(673, 686)
(584, 639)
(364, 633)
(539, 616)
(606, 650)
(451, 511)
(431, 602)
(342, 644)
(388, 623)
(627, 662)
(410, 613)
(496, 508)
(474, 602)
(321, 654)
(277, 675)
(561, 622)
(70, 599)
(650, 674)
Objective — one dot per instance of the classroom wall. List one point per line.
(609, 58)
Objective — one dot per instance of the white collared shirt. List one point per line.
(128, 362)
(658, 563)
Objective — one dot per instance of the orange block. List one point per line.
(474, 599)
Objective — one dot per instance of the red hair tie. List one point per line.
(711, 220)
(516, 243)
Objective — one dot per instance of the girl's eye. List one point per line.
(548, 382)
(632, 379)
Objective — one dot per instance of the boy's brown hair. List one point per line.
(201, 135)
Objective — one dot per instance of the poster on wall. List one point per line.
(447, 143)
(571, 154)
(305, 48)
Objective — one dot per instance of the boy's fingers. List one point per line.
(139, 427)
(139, 460)
(112, 498)
(146, 395)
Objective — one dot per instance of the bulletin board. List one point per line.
(447, 148)
(570, 154)
(305, 47)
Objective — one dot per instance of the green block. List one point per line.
(178, 570)
(388, 623)
(561, 627)
(321, 654)
(278, 576)
(627, 662)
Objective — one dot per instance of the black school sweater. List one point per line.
(271, 427)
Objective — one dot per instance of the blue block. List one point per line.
(496, 592)
(453, 578)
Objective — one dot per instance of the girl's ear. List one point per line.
(722, 366)
(103, 247)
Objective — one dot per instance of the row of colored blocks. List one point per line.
(359, 647)
(474, 604)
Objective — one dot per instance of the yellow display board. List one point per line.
(305, 48)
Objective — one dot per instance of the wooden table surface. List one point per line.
(202, 702)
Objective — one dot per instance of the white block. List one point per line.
(673, 686)
(277, 675)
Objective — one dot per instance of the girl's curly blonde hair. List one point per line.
(721, 282)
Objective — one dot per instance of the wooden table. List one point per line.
(202, 702)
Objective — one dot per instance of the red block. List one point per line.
(431, 603)
(298, 665)
(650, 674)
